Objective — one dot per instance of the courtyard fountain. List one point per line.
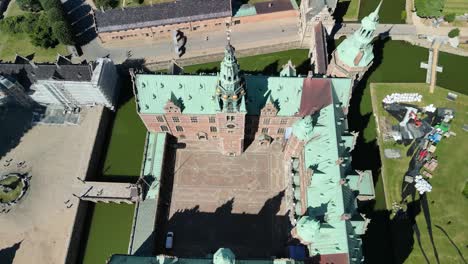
(13, 187)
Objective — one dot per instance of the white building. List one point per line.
(66, 84)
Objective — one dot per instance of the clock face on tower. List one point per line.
(230, 126)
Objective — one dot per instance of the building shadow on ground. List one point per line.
(15, 122)
(7, 255)
(198, 233)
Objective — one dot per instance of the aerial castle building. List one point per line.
(301, 116)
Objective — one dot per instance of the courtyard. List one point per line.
(219, 201)
(38, 228)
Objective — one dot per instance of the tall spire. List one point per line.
(356, 50)
(230, 85)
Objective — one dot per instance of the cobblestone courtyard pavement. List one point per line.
(236, 202)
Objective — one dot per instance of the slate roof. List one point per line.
(321, 60)
(29, 73)
(161, 14)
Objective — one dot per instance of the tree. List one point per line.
(454, 33)
(42, 34)
(429, 8)
(450, 17)
(63, 32)
(49, 4)
(54, 15)
(106, 4)
(29, 5)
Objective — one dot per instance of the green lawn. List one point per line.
(446, 201)
(390, 12)
(352, 13)
(10, 44)
(109, 232)
(458, 7)
(268, 63)
(13, 10)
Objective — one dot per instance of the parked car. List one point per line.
(169, 240)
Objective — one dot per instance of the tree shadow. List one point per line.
(453, 243)
(7, 255)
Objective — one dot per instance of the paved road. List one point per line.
(242, 36)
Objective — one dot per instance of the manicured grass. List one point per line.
(10, 44)
(268, 63)
(446, 201)
(458, 7)
(352, 13)
(13, 9)
(109, 232)
(125, 151)
(390, 12)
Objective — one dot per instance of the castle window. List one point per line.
(160, 119)
(213, 129)
(265, 130)
(164, 129)
(281, 130)
(194, 119)
(212, 119)
(179, 129)
(175, 119)
(230, 118)
(266, 121)
(283, 121)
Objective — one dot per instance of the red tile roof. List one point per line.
(316, 94)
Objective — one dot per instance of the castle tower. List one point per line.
(230, 91)
(313, 12)
(354, 56)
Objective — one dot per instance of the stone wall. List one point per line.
(155, 65)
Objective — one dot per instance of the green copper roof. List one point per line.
(126, 259)
(303, 128)
(327, 199)
(246, 10)
(224, 256)
(342, 88)
(195, 92)
(359, 43)
(142, 238)
(285, 92)
(309, 228)
(363, 184)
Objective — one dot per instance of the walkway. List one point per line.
(435, 59)
(109, 192)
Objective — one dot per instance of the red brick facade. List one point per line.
(228, 130)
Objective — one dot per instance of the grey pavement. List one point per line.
(242, 36)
